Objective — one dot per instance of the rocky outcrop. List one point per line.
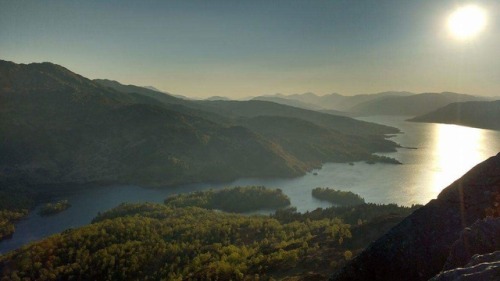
(480, 267)
(481, 238)
(418, 247)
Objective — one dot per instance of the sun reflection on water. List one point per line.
(457, 150)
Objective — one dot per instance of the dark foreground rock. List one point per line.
(480, 267)
(481, 238)
(418, 247)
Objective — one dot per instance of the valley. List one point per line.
(95, 144)
(224, 140)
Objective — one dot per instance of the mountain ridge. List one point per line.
(412, 105)
(478, 114)
(61, 128)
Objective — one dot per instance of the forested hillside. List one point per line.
(60, 128)
(237, 199)
(485, 114)
(153, 242)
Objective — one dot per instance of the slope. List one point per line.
(58, 127)
(314, 145)
(223, 111)
(410, 105)
(484, 115)
(418, 247)
(331, 101)
(288, 101)
(254, 108)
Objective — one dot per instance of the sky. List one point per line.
(249, 48)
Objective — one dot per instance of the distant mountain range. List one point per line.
(410, 105)
(385, 103)
(485, 114)
(217, 98)
(328, 102)
(58, 127)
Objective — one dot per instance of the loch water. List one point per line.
(433, 156)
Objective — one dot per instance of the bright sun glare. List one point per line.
(467, 21)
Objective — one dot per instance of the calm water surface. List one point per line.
(443, 153)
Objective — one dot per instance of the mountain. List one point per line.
(328, 102)
(59, 128)
(418, 247)
(152, 88)
(231, 110)
(167, 100)
(340, 113)
(290, 102)
(255, 108)
(410, 105)
(132, 89)
(484, 115)
(217, 98)
(313, 144)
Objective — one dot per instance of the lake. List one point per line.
(443, 153)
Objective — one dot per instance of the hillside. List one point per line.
(154, 242)
(58, 127)
(410, 105)
(288, 101)
(328, 102)
(315, 144)
(224, 111)
(167, 100)
(255, 108)
(418, 248)
(484, 115)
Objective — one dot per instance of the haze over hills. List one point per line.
(477, 114)
(232, 110)
(331, 101)
(217, 98)
(411, 105)
(385, 103)
(59, 127)
(287, 100)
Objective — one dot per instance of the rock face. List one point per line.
(418, 247)
(481, 238)
(481, 267)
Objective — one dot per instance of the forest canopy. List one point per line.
(338, 197)
(54, 208)
(161, 242)
(236, 199)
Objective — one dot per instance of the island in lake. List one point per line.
(237, 199)
(54, 208)
(337, 196)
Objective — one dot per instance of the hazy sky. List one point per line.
(247, 48)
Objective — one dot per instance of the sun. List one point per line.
(466, 22)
